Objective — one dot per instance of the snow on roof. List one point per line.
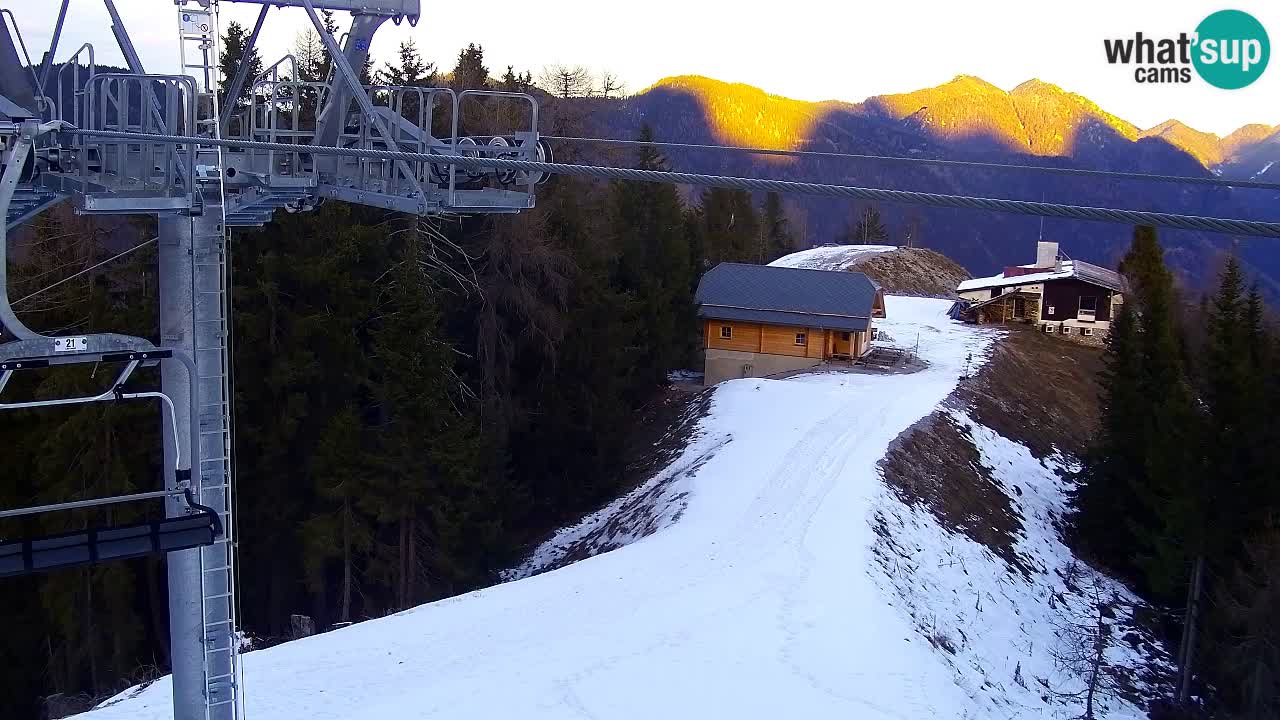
(1087, 272)
(829, 257)
(1000, 280)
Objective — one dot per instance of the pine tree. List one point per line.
(1233, 387)
(339, 531)
(330, 29)
(1143, 481)
(1174, 486)
(777, 232)
(89, 451)
(425, 440)
(470, 72)
(411, 71)
(1106, 504)
(654, 265)
(232, 57)
(731, 230)
(515, 82)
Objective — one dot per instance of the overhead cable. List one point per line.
(1230, 226)
(1148, 177)
(87, 270)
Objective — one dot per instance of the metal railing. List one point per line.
(141, 104)
(78, 88)
(420, 120)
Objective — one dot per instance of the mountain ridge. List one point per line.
(1210, 148)
(967, 118)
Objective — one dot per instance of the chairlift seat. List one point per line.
(28, 556)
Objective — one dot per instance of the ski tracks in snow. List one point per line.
(757, 603)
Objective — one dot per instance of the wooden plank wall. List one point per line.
(781, 340)
(746, 336)
(770, 339)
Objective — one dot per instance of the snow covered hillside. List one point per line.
(830, 257)
(897, 270)
(778, 577)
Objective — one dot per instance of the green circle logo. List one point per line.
(1232, 49)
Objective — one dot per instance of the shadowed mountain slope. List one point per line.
(1037, 123)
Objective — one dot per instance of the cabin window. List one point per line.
(726, 332)
(1088, 307)
(800, 338)
(1019, 308)
(1066, 329)
(1086, 331)
(844, 336)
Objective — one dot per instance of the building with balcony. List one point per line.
(1070, 298)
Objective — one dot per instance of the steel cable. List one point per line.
(1079, 172)
(1230, 226)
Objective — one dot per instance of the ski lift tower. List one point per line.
(139, 143)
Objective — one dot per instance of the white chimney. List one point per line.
(1046, 254)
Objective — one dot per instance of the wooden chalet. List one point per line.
(760, 320)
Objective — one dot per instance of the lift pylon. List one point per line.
(198, 192)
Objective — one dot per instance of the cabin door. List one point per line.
(843, 343)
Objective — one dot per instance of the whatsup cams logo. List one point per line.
(1229, 49)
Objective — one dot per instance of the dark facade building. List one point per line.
(1070, 298)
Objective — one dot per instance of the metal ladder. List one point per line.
(217, 562)
(212, 332)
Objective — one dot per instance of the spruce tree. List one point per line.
(338, 532)
(777, 231)
(234, 41)
(410, 70)
(515, 82)
(1143, 482)
(1172, 481)
(654, 265)
(1233, 386)
(1106, 504)
(470, 72)
(730, 231)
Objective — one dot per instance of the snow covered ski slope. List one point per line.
(762, 597)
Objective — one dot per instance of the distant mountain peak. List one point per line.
(971, 81)
(1036, 117)
(1036, 85)
(742, 114)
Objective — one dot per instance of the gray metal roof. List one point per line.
(798, 297)
(1064, 270)
(1098, 275)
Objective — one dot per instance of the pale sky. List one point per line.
(806, 49)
